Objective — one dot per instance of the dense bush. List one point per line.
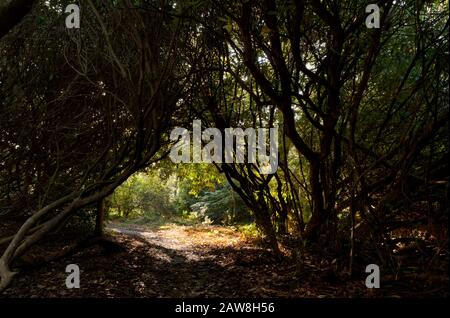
(143, 194)
(221, 206)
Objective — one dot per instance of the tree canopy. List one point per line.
(362, 114)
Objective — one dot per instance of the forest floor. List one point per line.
(199, 261)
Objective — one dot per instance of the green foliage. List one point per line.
(192, 192)
(185, 198)
(143, 194)
(199, 177)
(249, 230)
(203, 194)
(221, 206)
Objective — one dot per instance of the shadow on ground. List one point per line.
(181, 262)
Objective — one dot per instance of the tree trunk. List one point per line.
(263, 221)
(99, 220)
(318, 213)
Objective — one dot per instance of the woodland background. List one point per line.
(86, 114)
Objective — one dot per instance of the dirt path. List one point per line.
(166, 261)
(186, 242)
(198, 261)
(186, 261)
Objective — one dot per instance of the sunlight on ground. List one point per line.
(180, 236)
(212, 235)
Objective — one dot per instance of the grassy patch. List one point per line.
(154, 220)
(249, 230)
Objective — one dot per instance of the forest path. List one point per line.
(188, 243)
(180, 262)
(199, 261)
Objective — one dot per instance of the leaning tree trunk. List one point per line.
(28, 236)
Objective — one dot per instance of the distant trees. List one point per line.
(142, 194)
(194, 192)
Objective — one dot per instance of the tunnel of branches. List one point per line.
(362, 114)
